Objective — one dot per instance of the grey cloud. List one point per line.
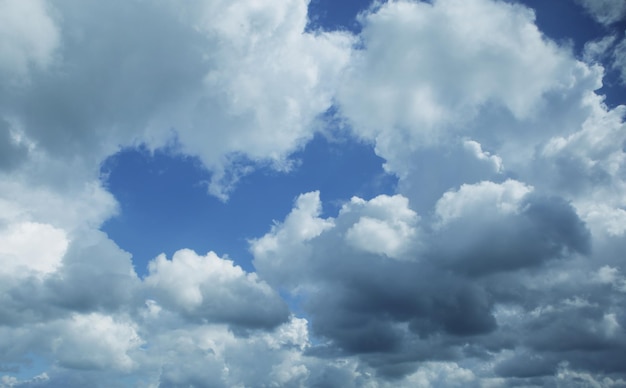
(96, 276)
(434, 170)
(390, 313)
(12, 153)
(185, 74)
(395, 315)
(526, 365)
(197, 370)
(489, 272)
(546, 228)
(107, 81)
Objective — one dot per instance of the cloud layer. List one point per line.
(498, 261)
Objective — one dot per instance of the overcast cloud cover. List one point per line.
(497, 261)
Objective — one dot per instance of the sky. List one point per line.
(293, 193)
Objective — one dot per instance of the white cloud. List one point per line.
(475, 148)
(19, 256)
(435, 80)
(481, 199)
(267, 83)
(386, 225)
(10, 381)
(211, 355)
(96, 341)
(212, 289)
(605, 11)
(417, 74)
(281, 251)
(251, 92)
(435, 374)
(504, 274)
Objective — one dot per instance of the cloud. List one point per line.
(97, 341)
(487, 227)
(26, 45)
(619, 57)
(458, 99)
(433, 74)
(232, 95)
(498, 261)
(212, 356)
(363, 302)
(386, 225)
(597, 50)
(480, 200)
(208, 288)
(606, 12)
(13, 151)
(19, 256)
(472, 290)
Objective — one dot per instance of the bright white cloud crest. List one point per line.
(18, 254)
(496, 261)
(387, 226)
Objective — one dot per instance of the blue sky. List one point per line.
(293, 193)
(164, 201)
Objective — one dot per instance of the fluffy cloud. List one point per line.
(18, 255)
(489, 227)
(458, 99)
(83, 81)
(472, 294)
(96, 341)
(386, 225)
(433, 74)
(455, 130)
(208, 288)
(267, 83)
(362, 301)
(499, 261)
(187, 68)
(290, 239)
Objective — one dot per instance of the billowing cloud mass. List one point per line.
(496, 261)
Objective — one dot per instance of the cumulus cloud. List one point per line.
(433, 74)
(489, 227)
(386, 225)
(360, 299)
(498, 261)
(19, 256)
(96, 341)
(209, 288)
(188, 68)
